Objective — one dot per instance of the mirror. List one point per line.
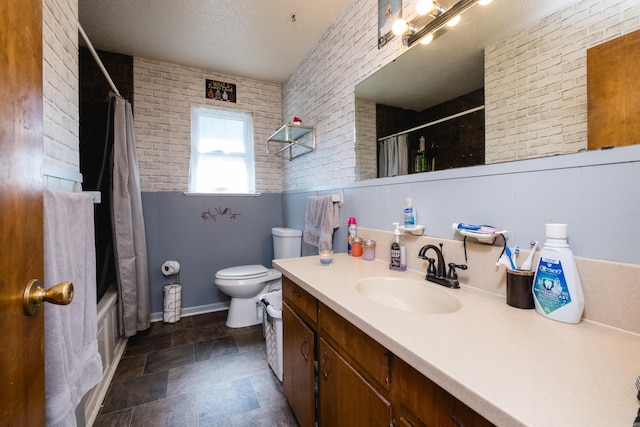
(450, 66)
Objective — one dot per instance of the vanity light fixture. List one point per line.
(441, 17)
(454, 21)
(427, 39)
(424, 7)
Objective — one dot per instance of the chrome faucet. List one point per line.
(436, 273)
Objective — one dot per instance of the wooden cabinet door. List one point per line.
(368, 357)
(298, 352)
(345, 398)
(613, 92)
(419, 401)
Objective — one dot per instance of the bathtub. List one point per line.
(111, 347)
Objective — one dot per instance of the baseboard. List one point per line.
(192, 311)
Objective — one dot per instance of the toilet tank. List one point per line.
(287, 242)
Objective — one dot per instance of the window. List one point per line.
(221, 151)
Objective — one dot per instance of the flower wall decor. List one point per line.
(218, 213)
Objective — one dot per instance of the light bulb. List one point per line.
(484, 2)
(399, 27)
(454, 21)
(427, 39)
(425, 6)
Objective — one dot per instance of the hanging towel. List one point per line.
(321, 218)
(72, 362)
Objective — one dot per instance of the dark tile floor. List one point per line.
(195, 373)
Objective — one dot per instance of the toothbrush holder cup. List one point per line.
(519, 284)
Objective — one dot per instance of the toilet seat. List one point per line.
(246, 275)
(242, 272)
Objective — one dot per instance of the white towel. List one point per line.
(72, 361)
(321, 218)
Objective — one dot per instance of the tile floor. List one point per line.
(195, 373)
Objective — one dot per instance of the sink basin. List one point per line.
(408, 295)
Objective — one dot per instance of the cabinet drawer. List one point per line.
(369, 357)
(303, 302)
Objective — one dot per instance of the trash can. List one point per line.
(272, 325)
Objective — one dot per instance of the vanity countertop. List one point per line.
(512, 366)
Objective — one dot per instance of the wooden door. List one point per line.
(345, 398)
(298, 365)
(613, 92)
(22, 348)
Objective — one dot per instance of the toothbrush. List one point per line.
(514, 257)
(526, 265)
(504, 260)
(510, 256)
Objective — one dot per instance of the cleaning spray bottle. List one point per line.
(557, 291)
(398, 252)
(352, 228)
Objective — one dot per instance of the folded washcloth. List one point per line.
(321, 218)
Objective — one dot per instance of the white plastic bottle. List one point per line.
(409, 213)
(557, 291)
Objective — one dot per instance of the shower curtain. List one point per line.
(130, 248)
(393, 156)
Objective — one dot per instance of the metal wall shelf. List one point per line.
(291, 136)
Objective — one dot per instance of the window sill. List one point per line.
(187, 193)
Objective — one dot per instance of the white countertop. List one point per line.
(514, 367)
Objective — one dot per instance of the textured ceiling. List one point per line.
(256, 39)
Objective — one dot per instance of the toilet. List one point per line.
(245, 283)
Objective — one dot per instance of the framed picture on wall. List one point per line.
(388, 12)
(220, 91)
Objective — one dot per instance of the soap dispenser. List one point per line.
(398, 252)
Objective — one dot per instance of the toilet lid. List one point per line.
(242, 272)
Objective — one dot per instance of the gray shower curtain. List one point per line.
(130, 248)
(393, 156)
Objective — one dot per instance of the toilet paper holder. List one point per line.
(170, 268)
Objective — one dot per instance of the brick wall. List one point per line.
(164, 94)
(60, 93)
(321, 91)
(366, 140)
(535, 81)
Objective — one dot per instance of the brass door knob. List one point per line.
(35, 294)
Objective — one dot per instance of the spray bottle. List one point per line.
(352, 232)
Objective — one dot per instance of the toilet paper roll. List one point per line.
(172, 303)
(170, 268)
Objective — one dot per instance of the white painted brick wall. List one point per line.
(61, 117)
(366, 140)
(536, 81)
(163, 96)
(321, 91)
